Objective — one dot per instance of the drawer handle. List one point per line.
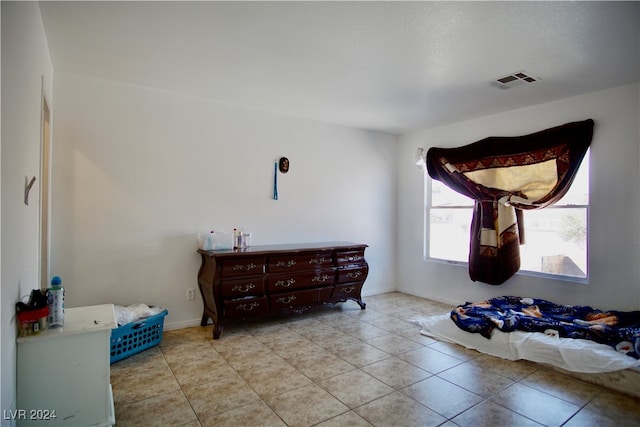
(286, 300)
(247, 307)
(285, 284)
(244, 267)
(316, 261)
(353, 258)
(243, 288)
(286, 264)
(347, 290)
(320, 279)
(354, 274)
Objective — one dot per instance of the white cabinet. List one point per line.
(65, 372)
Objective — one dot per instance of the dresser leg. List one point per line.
(217, 327)
(217, 331)
(205, 320)
(362, 304)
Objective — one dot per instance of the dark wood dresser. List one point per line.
(259, 280)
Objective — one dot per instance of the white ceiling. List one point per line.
(389, 66)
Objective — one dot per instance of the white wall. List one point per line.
(25, 59)
(614, 226)
(138, 172)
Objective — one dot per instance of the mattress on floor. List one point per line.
(574, 355)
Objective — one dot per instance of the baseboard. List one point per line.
(415, 293)
(377, 291)
(181, 325)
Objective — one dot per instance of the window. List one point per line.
(555, 237)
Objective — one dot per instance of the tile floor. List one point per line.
(342, 366)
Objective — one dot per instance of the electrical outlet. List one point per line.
(191, 294)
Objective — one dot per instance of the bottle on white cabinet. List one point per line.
(55, 301)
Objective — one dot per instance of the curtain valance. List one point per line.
(505, 175)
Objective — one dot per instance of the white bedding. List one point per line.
(574, 355)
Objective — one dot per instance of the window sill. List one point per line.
(537, 274)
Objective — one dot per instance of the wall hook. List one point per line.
(27, 188)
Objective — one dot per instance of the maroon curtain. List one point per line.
(505, 175)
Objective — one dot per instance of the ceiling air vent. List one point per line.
(515, 79)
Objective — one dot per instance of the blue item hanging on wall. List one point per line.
(275, 181)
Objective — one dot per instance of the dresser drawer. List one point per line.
(238, 288)
(300, 262)
(347, 290)
(298, 298)
(242, 267)
(352, 274)
(246, 307)
(286, 282)
(350, 257)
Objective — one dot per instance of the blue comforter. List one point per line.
(618, 329)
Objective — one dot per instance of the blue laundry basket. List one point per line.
(135, 337)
